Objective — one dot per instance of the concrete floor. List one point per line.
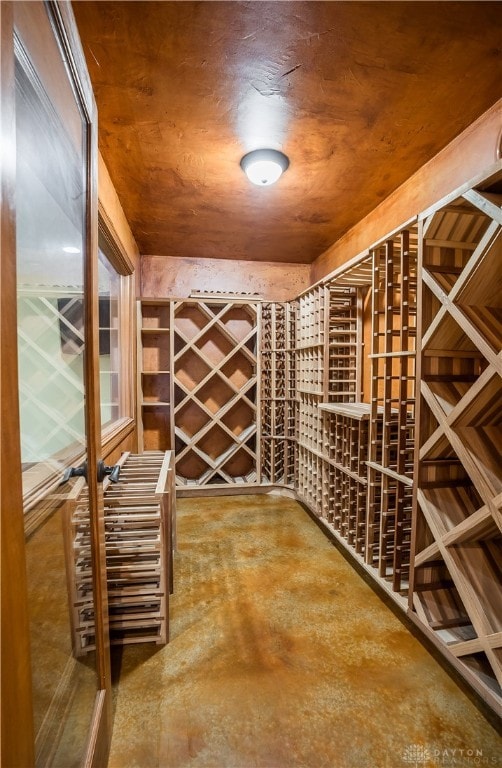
(282, 656)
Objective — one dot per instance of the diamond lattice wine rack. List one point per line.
(457, 589)
(215, 391)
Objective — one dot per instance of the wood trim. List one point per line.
(17, 733)
(96, 755)
(92, 414)
(113, 438)
(127, 335)
(109, 205)
(115, 249)
(486, 177)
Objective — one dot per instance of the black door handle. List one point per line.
(80, 471)
(104, 470)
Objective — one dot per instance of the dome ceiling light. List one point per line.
(263, 167)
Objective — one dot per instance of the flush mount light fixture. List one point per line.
(70, 249)
(264, 166)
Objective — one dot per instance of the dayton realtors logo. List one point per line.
(418, 755)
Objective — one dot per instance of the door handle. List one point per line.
(104, 470)
(80, 471)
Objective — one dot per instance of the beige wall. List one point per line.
(171, 276)
(471, 153)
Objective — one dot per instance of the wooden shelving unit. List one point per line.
(291, 415)
(139, 518)
(155, 386)
(457, 576)
(392, 425)
(346, 434)
(345, 343)
(278, 393)
(311, 386)
(215, 369)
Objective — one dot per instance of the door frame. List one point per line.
(17, 717)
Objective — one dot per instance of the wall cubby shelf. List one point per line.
(155, 388)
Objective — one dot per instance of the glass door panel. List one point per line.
(51, 232)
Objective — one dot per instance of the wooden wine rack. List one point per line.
(139, 519)
(278, 394)
(457, 575)
(345, 417)
(311, 386)
(215, 391)
(287, 395)
(345, 344)
(392, 426)
(346, 434)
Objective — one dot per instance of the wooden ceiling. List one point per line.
(358, 95)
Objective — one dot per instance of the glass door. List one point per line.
(57, 325)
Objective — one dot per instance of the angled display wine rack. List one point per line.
(457, 579)
(215, 391)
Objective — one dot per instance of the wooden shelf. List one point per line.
(154, 385)
(345, 341)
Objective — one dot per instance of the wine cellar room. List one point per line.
(251, 321)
